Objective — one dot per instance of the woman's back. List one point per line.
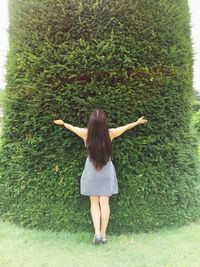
(101, 182)
(112, 134)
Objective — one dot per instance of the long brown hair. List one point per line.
(98, 141)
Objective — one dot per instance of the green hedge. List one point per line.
(196, 123)
(196, 105)
(130, 58)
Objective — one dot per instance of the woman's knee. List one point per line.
(104, 201)
(94, 200)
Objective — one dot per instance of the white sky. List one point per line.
(3, 39)
(195, 22)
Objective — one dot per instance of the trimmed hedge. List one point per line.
(196, 123)
(130, 58)
(196, 105)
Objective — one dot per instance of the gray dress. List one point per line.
(98, 183)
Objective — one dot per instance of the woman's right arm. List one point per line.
(115, 132)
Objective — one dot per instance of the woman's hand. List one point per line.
(59, 122)
(142, 120)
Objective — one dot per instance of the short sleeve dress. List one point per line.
(98, 183)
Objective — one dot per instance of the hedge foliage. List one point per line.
(196, 105)
(129, 58)
(196, 123)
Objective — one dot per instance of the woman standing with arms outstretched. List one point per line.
(98, 180)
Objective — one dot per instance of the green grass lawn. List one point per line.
(173, 248)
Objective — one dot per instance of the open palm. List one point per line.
(142, 120)
(58, 122)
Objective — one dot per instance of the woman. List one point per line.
(98, 180)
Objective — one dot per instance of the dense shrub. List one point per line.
(196, 123)
(130, 58)
(196, 105)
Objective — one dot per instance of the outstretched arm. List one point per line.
(81, 132)
(115, 132)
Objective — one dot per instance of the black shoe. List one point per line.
(96, 240)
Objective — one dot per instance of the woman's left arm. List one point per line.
(81, 132)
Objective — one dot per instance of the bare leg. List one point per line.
(95, 212)
(105, 213)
